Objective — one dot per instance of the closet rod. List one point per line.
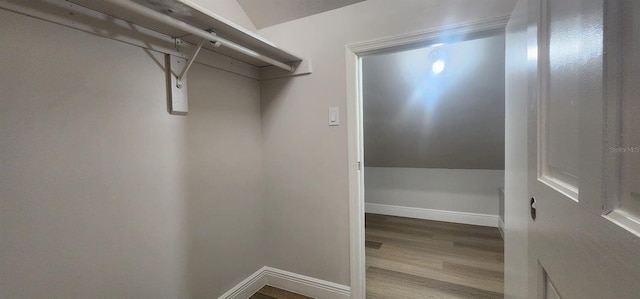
(165, 19)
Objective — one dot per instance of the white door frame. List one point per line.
(355, 125)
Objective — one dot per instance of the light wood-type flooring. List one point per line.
(269, 292)
(414, 258)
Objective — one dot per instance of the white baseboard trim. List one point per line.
(247, 287)
(289, 281)
(306, 285)
(501, 227)
(437, 215)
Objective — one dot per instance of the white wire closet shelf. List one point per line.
(188, 21)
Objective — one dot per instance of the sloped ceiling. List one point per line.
(415, 117)
(265, 13)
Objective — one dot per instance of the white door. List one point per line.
(584, 150)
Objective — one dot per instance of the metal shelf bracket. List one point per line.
(177, 84)
(192, 58)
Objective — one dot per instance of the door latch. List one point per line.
(533, 208)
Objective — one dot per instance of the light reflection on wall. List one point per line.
(415, 117)
(462, 60)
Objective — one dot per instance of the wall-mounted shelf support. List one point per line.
(184, 72)
(176, 92)
(177, 84)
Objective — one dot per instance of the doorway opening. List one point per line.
(429, 77)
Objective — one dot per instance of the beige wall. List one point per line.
(102, 192)
(305, 160)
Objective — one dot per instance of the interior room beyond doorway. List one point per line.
(433, 128)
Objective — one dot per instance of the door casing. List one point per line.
(353, 53)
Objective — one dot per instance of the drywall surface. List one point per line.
(458, 190)
(306, 160)
(265, 13)
(228, 9)
(103, 194)
(224, 181)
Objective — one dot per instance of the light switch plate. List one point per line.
(334, 116)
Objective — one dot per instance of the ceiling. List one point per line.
(414, 117)
(265, 13)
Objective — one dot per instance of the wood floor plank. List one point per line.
(490, 262)
(473, 271)
(372, 244)
(448, 226)
(436, 227)
(384, 288)
(445, 250)
(373, 218)
(470, 240)
(391, 261)
(469, 231)
(493, 250)
(482, 247)
(458, 278)
(375, 235)
(493, 262)
(451, 289)
(269, 292)
(429, 259)
(261, 296)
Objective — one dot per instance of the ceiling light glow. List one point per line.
(438, 67)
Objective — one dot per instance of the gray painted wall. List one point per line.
(414, 117)
(103, 194)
